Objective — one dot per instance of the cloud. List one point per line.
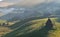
(12, 1)
(1, 0)
(32, 2)
(4, 4)
(23, 2)
(57, 1)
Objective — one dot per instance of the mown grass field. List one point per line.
(35, 28)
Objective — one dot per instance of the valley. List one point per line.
(30, 18)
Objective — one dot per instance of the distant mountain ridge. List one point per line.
(21, 12)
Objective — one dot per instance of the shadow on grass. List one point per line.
(43, 32)
(23, 22)
(19, 30)
(58, 20)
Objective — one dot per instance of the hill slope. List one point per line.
(35, 28)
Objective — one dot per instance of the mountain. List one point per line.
(20, 14)
(1, 14)
(43, 9)
(47, 7)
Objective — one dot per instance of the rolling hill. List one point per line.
(35, 28)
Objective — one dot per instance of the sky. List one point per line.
(4, 3)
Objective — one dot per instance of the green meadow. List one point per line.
(35, 28)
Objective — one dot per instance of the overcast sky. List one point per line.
(4, 3)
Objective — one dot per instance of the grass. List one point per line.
(4, 30)
(5, 21)
(36, 28)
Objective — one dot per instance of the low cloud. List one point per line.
(32, 2)
(22, 2)
(4, 4)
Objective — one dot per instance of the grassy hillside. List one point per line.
(36, 28)
(4, 30)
